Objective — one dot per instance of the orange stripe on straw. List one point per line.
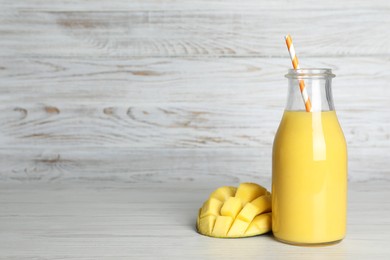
(295, 64)
(307, 102)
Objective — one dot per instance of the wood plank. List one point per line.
(177, 102)
(219, 166)
(156, 81)
(179, 126)
(133, 221)
(189, 5)
(129, 165)
(223, 33)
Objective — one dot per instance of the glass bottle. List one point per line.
(309, 165)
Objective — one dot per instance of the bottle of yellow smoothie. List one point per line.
(309, 165)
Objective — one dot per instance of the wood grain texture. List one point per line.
(177, 103)
(162, 32)
(132, 79)
(123, 109)
(189, 5)
(127, 221)
(219, 166)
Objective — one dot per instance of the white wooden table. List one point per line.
(117, 118)
(157, 221)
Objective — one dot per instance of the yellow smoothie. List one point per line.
(309, 179)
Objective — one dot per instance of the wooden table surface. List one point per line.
(157, 221)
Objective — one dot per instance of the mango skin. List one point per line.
(236, 212)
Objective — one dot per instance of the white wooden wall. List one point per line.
(171, 91)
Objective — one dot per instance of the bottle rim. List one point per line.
(309, 73)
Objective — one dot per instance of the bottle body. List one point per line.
(309, 175)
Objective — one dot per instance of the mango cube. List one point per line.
(249, 191)
(263, 203)
(223, 193)
(222, 226)
(260, 224)
(231, 207)
(238, 228)
(254, 208)
(206, 224)
(248, 213)
(211, 207)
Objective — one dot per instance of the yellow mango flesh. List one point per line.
(263, 203)
(231, 207)
(222, 226)
(238, 228)
(207, 224)
(256, 207)
(223, 193)
(231, 212)
(260, 224)
(211, 207)
(248, 213)
(249, 191)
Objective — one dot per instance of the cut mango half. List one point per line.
(236, 212)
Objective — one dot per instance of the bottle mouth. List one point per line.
(310, 73)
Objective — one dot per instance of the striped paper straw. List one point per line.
(295, 63)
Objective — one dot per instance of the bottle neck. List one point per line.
(318, 85)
